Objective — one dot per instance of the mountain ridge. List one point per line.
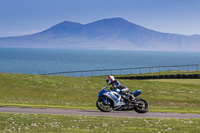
(113, 33)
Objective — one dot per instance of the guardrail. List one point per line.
(136, 70)
(167, 76)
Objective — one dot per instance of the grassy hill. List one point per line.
(163, 95)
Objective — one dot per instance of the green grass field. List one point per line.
(163, 95)
(34, 123)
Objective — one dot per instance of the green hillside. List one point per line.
(163, 95)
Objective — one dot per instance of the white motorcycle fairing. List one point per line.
(116, 97)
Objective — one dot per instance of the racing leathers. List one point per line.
(123, 89)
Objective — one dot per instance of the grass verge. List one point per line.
(34, 123)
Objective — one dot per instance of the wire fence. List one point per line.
(124, 71)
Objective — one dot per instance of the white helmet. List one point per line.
(110, 79)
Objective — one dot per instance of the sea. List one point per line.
(44, 61)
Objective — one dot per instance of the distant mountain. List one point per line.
(114, 33)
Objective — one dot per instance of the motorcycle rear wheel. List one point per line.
(104, 107)
(142, 106)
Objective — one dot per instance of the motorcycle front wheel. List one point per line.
(142, 106)
(104, 107)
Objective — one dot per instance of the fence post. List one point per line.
(73, 74)
(120, 71)
(130, 71)
(91, 73)
(150, 69)
(101, 73)
(178, 68)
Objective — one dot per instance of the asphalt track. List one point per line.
(95, 113)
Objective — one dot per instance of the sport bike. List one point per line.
(112, 100)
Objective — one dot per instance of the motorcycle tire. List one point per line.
(104, 107)
(142, 107)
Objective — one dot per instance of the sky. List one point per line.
(22, 17)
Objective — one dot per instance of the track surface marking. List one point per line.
(95, 113)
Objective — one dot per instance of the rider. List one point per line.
(117, 85)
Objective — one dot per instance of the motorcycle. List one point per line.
(112, 100)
